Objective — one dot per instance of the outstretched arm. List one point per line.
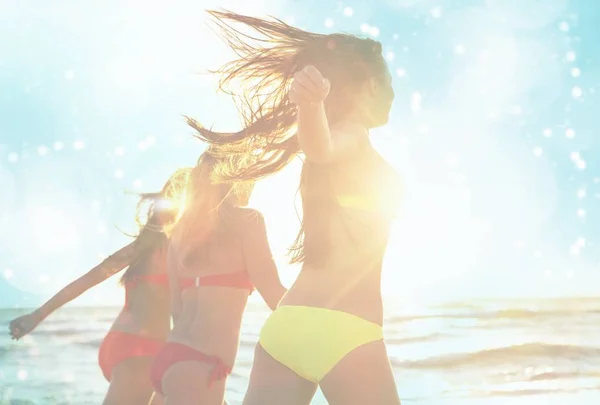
(259, 260)
(111, 265)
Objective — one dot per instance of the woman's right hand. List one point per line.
(22, 325)
(309, 86)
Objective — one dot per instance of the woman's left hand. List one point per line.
(23, 325)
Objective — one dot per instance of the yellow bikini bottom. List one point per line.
(311, 341)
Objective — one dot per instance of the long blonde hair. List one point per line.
(205, 202)
(164, 208)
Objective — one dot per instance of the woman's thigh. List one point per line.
(363, 377)
(130, 382)
(272, 383)
(187, 382)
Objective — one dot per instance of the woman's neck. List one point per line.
(355, 117)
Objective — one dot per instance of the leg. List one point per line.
(363, 377)
(130, 382)
(271, 383)
(158, 399)
(186, 383)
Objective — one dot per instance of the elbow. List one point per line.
(174, 317)
(273, 303)
(175, 309)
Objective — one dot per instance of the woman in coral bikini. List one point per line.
(218, 254)
(141, 328)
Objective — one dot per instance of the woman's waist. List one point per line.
(147, 304)
(156, 328)
(345, 253)
(203, 322)
(361, 298)
(372, 313)
(211, 342)
(341, 276)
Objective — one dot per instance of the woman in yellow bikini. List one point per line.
(319, 94)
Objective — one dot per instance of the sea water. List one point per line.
(481, 352)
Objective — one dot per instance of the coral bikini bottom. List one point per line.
(173, 353)
(119, 346)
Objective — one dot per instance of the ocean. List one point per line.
(480, 352)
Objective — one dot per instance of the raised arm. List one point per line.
(111, 265)
(320, 142)
(259, 259)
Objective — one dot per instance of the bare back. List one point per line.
(365, 194)
(210, 316)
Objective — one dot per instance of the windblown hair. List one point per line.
(269, 56)
(205, 218)
(162, 212)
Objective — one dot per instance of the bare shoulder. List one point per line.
(249, 219)
(248, 214)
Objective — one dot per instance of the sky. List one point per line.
(494, 132)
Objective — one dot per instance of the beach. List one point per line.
(477, 352)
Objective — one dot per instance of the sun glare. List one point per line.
(52, 231)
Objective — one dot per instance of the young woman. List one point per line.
(319, 94)
(217, 255)
(141, 328)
